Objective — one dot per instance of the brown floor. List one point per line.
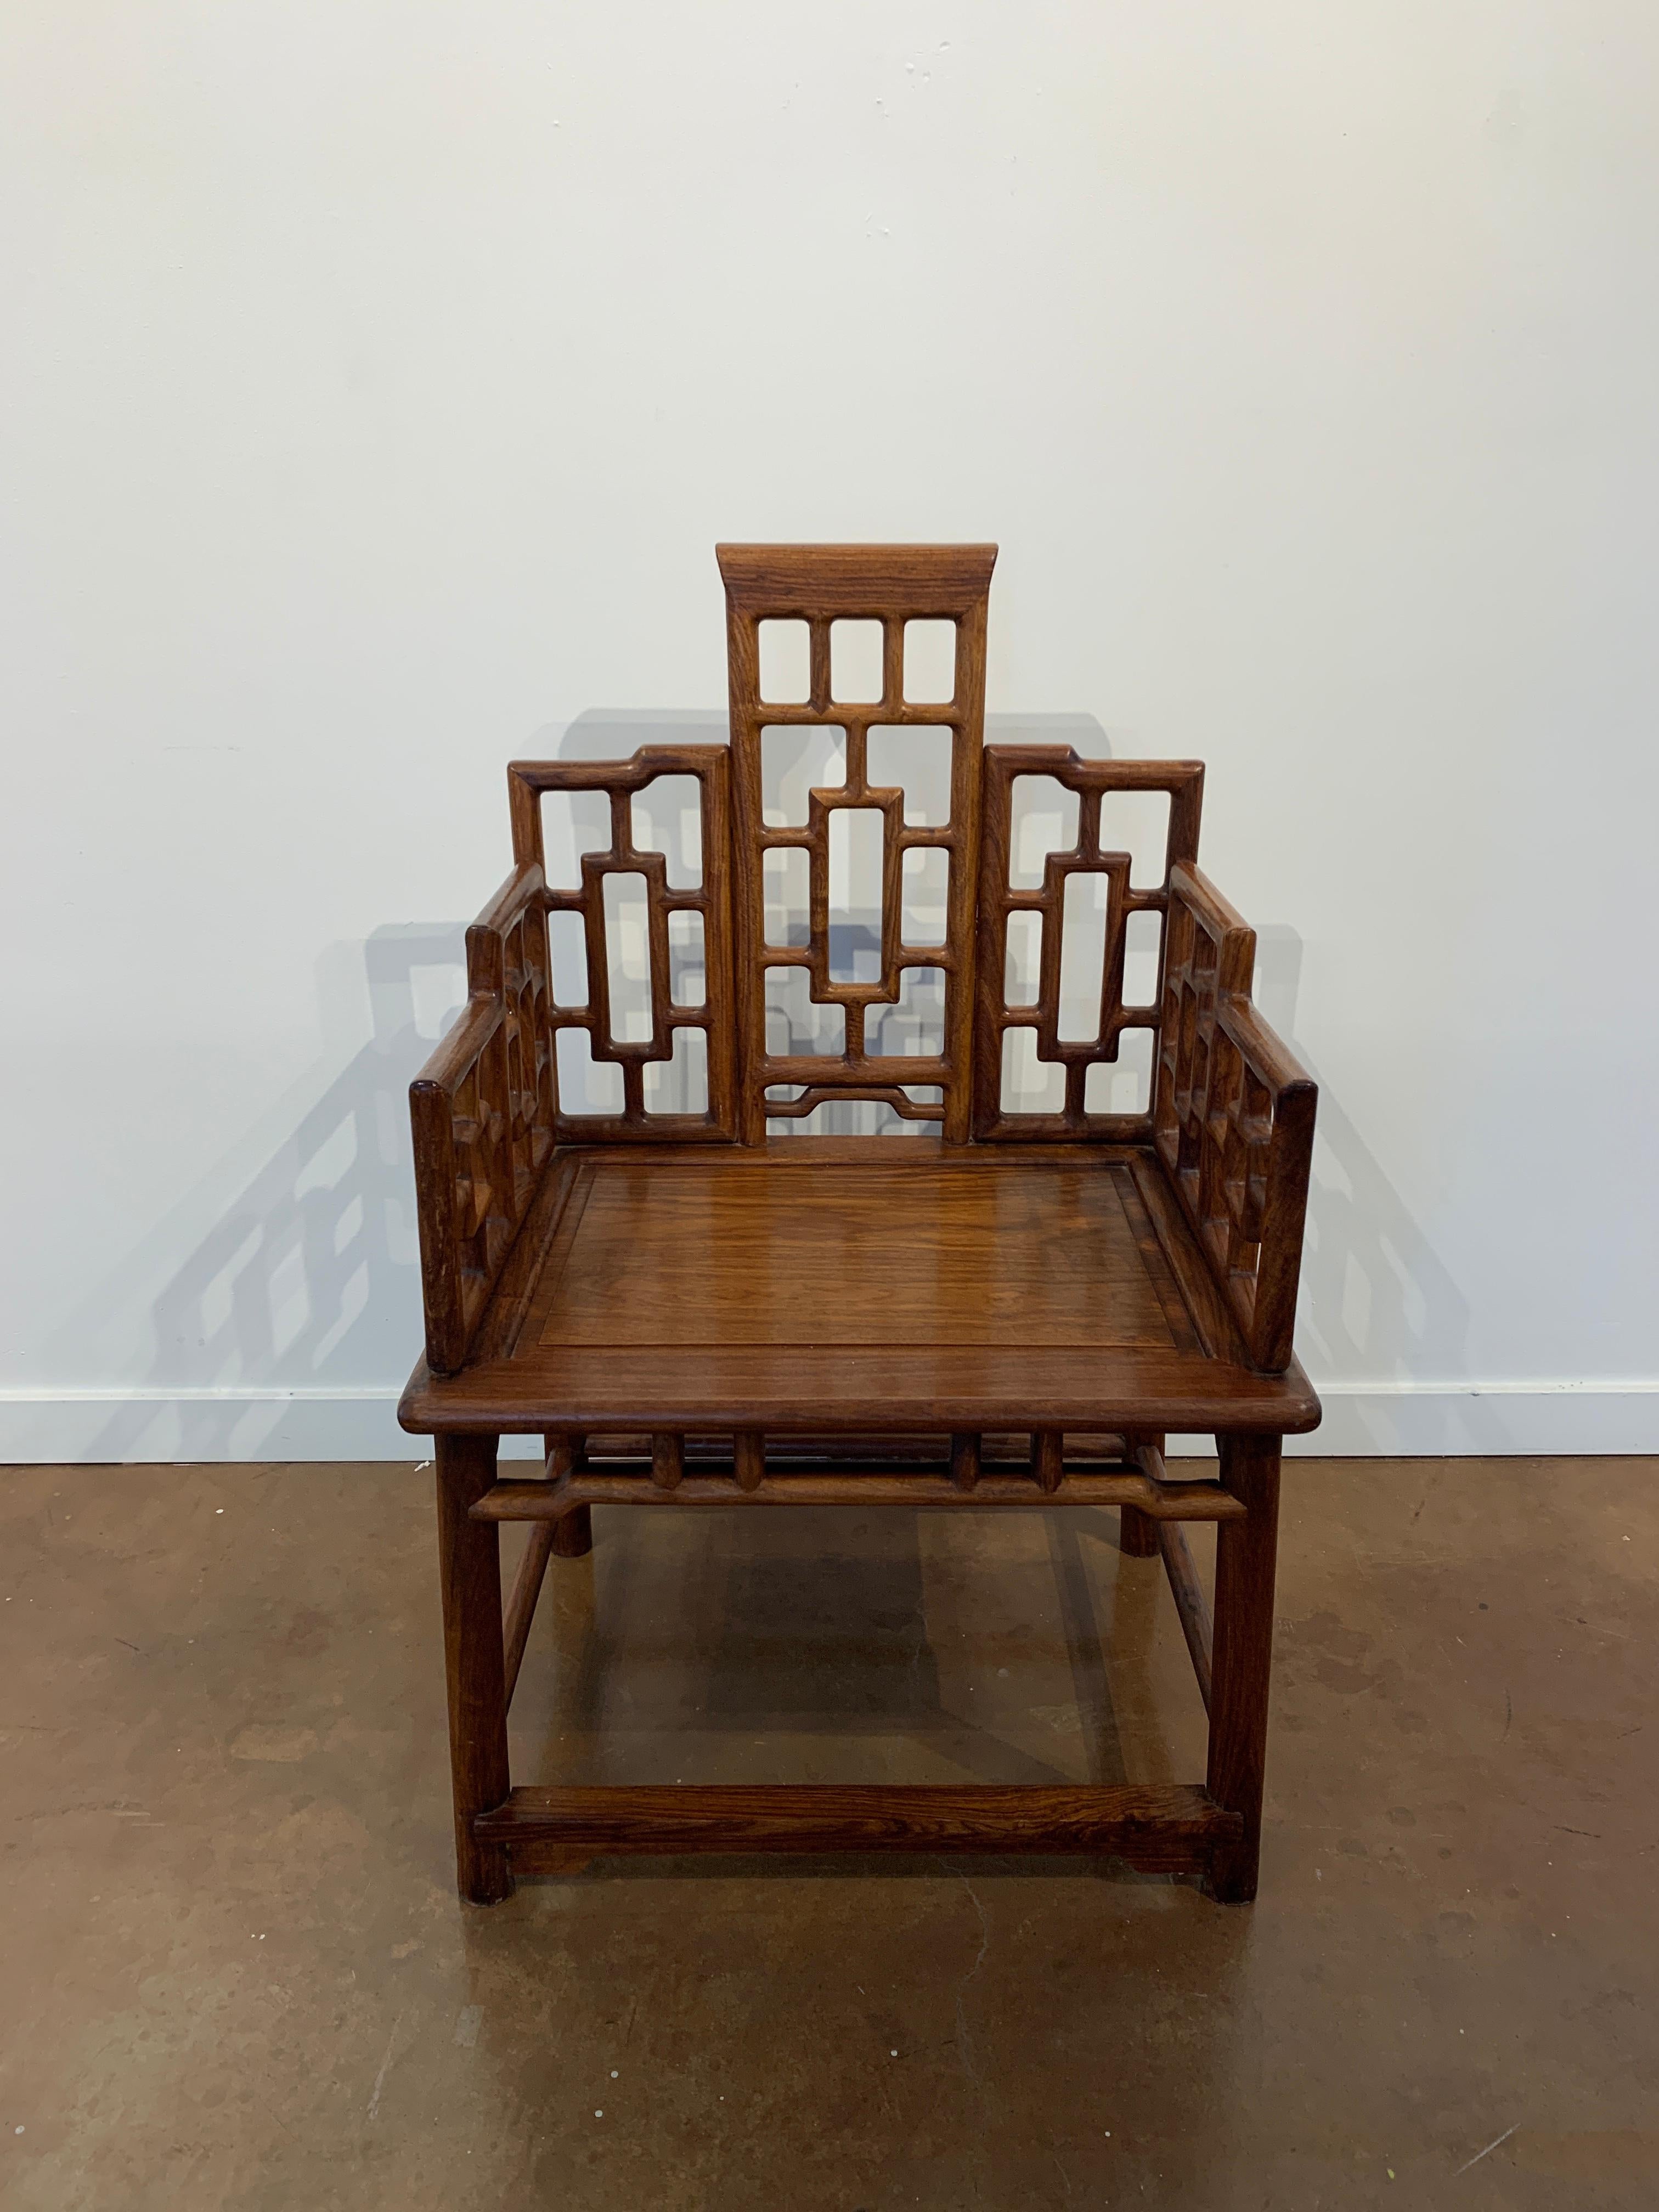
(235, 1972)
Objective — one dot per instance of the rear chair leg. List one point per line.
(573, 1533)
(1137, 1532)
(470, 1574)
(1137, 1535)
(1246, 1551)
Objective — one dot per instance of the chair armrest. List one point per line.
(481, 1113)
(1233, 1118)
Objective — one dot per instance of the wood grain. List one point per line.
(1234, 1118)
(1191, 1604)
(1046, 1483)
(708, 1253)
(620, 780)
(1137, 1535)
(819, 585)
(1094, 782)
(1245, 1557)
(469, 1582)
(482, 1112)
(521, 1605)
(799, 1388)
(1168, 1828)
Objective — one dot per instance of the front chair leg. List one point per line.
(470, 1571)
(1246, 1552)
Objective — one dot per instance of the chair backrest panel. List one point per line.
(635, 1059)
(819, 585)
(1094, 782)
(919, 1004)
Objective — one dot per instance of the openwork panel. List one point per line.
(1234, 1117)
(484, 1115)
(860, 694)
(628, 1011)
(1027, 1006)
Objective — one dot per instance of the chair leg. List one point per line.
(1246, 1551)
(1137, 1532)
(1137, 1535)
(469, 1573)
(573, 1536)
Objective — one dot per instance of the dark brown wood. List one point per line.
(842, 1485)
(1048, 1456)
(671, 1299)
(1170, 1828)
(1009, 1309)
(521, 1605)
(966, 1456)
(619, 780)
(470, 1581)
(705, 1453)
(1137, 1535)
(573, 1534)
(1234, 1117)
(1216, 1331)
(719, 1247)
(1093, 782)
(1245, 1558)
(572, 1531)
(819, 585)
(749, 1459)
(483, 1112)
(1191, 1604)
(693, 1388)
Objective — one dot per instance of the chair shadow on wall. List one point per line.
(1375, 1300)
(309, 1280)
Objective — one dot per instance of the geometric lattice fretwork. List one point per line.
(620, 780)
(893, 586)
(1233, 1116)
(1093, 782)
(483, 1113)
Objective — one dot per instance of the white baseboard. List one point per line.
(1501, 1419)
(154, 1423)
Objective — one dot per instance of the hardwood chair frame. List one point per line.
(1189, 1213)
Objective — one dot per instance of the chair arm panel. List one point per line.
(1233, 1118)
(481, 1112)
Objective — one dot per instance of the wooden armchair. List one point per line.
(1011, 1309)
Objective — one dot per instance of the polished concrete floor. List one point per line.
(233, 1971)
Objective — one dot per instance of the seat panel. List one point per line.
(818, 1286)
(713, 1251)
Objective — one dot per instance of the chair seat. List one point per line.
(825, 1284)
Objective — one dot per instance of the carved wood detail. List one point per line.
(1092, 780)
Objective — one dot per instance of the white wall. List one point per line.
(379, 377)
